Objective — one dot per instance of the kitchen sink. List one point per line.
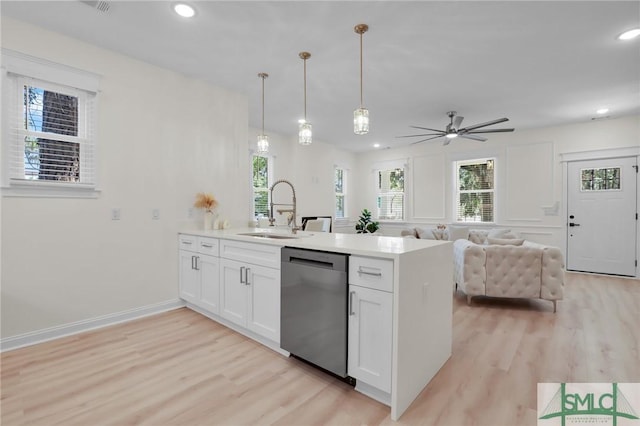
(268, 235)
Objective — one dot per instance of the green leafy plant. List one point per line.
(365, 225)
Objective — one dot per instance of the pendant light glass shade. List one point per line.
(305, 133)
(263, 144)
(361, 121)
(263, 140)
(361, 115)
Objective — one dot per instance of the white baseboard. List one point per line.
(40, 336)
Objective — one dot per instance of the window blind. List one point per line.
(390, 201)
(51, 133)
(475, 191)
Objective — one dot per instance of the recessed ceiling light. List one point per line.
(602, 111)
(376, 145)
(184, 10)
(631, 34)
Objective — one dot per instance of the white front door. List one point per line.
(602, 216)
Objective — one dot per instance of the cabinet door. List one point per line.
(188, 277)
(233, 292)
(264, 302)
(209, 270)
(370, 341)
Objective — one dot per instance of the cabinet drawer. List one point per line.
(187, 242)
(371, 273)
(208, 246)
(258, 254)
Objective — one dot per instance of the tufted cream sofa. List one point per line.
(527, 271)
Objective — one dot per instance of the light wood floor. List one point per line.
(180, 368)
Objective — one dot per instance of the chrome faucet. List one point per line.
(292, 211)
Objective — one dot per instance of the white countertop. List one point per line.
(358, 244)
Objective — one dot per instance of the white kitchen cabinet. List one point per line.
(209, 269)
(370, 336)
(200, 272)
(250, 297)
(189, 276)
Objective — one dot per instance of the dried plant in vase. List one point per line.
(207, 202)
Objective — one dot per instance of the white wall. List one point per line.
(520, 198)
(162, 138)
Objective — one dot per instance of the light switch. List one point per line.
(155, 214)
(115, 214)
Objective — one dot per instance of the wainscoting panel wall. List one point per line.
(428, 187)
(529, 178)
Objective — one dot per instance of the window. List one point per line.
(340, 179)
(50, 126)
(475, 190)
(391, 194)
(603, 179)
(260, 181)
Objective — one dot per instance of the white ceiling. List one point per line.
(537, 63)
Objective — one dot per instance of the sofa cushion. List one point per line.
(432, 234)
(409, 233)
(500, 233)
(458, 232)
(506, 241)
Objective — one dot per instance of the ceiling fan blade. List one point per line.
(426, 134)
(426, 128)
(488, 123)
(490, 131)
(428, 139)
(468, 136)
(457, 122)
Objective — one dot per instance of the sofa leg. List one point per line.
(554, 306)
(456, 289)
(468, 300)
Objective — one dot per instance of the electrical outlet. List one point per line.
(190, 213)
(155, 214)
(115, 214)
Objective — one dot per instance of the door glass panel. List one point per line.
(603, 179)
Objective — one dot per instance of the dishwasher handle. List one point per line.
(309, 262)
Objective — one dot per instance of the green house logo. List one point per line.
(586, 405)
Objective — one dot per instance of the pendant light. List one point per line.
(304, 128)
(263, 140)
(361, 115)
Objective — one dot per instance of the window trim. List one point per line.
(389, 166)
(344, 193)
(494, 191)
(269, 180)
(18, 68)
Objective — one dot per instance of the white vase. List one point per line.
(208, 220)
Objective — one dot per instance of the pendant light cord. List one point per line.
(305, 89)
(263, 105)
(361, 70)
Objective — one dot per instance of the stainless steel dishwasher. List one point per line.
(313, 314)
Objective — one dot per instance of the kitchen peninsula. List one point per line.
(400, 327)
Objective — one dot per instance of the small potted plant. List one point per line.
(207, 202)
(365, 225)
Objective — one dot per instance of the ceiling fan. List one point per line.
(453, 130)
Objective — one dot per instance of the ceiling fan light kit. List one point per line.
(361, 115)
(453, 130)
(305, 131)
